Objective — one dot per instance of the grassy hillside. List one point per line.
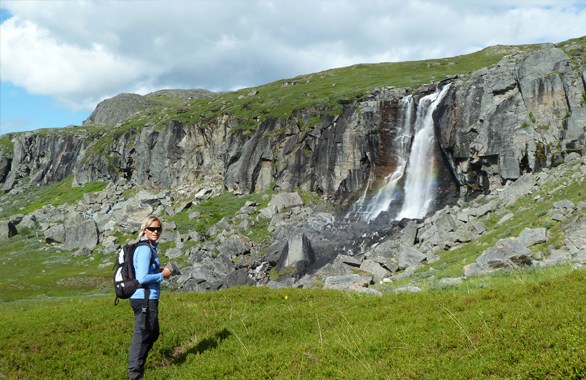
(528, 329)
(324, 91)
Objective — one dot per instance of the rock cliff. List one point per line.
(491, 127)
(521, 115)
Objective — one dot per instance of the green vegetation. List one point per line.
(574, 48)
(521, 330)
(6, 145)
(202, 216)
(324, 92)
(53, 194)
(30, 269)
(215, 209)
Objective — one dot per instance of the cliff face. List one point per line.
(519, 116)
(493, 125)
(42, 158)
(487, 130)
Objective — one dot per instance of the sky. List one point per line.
(59, 59)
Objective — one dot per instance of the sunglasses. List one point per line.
(153, 229)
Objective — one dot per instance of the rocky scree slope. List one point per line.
(303, 233)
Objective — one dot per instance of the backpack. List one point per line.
(125, 282)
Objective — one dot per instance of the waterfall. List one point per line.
(420, 174)
(414, 170)
(382, 200)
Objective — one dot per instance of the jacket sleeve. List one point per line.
(142, 266)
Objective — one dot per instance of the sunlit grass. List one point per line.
(523, 329)
(55, 194)
(32, 269)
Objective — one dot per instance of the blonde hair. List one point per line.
(147, 223)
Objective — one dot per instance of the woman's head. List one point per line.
(151, 228)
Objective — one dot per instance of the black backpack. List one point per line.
(125, 282)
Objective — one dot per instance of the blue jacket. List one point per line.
(147, 275)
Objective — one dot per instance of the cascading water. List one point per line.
(414, 163)
(420, 180)
(369, 209)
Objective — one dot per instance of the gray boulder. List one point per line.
(234, 246)
(524, 185)
(531, 236)
(238, 277)
(7, 230)
(130, 214)
(347, 282)
(173, 253)
(297, 253)
(82, 235)
(409, 256)
(507, 253)
(55, 233)
(377, 271)
(281, 202)
(575, 241)
(5, 161)
(565, 204)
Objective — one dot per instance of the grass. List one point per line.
(522, 330)
(33, 270)
(6, 146)
(224, 206)
(55, 194)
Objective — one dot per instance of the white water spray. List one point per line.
(420, 180)
(414, 158)
(388, 193)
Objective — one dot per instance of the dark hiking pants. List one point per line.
(146, 333)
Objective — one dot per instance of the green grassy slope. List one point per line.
(522, 330)
(323, 91)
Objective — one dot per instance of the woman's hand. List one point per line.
(166, 271)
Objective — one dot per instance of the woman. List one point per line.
(146, 309)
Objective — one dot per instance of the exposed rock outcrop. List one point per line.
(497, 134)
(516, 117)
(123, 106)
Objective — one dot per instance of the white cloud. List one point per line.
(32, 58)
(83, 51)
